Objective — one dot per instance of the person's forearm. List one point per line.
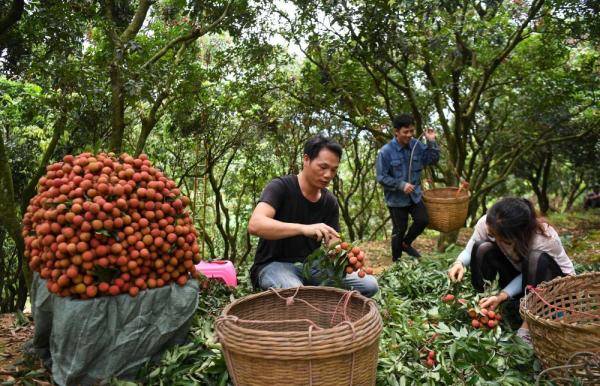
(391, 183)
(271, 229)
(432, 144)
(465, 256)
(431, 153)
(514, 287)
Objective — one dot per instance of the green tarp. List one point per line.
(88, 341)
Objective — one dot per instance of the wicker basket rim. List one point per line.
(558, 322)
(465, 195)
(339, 328)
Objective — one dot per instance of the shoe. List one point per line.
(523, 333)
(410, 250)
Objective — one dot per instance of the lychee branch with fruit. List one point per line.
(334, 262)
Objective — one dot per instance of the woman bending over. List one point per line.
(513, 243)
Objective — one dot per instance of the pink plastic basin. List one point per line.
(219, 269)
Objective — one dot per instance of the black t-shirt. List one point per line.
(290, 205)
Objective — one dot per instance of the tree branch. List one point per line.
(8, 210)
(192, 35)
(515, 39)
(12, 17)
(138, 20)
(110, 30)
(57, 131)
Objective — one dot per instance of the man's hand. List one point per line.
(492, 302)
(430, 134)
(334, 241)
(456, 272)
(320, 232)
(409, 188)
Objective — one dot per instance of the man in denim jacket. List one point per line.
(403, 192)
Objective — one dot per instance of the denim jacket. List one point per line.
(392, 170)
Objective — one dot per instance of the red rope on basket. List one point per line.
(290, 300)
(537, 293)
(346, 298)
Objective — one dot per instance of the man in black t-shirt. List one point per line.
(294, 215)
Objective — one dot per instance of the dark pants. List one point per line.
(418, 212)
(488, 261)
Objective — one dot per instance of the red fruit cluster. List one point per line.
(102, 225)
(356, 259)
(430, 362)
(448, 298)
(484, 318)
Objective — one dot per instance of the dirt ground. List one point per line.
(15, 368)
(379, 253)
(583, 245)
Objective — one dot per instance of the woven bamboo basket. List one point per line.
(447, 208)
(301, 336)
(564, 320)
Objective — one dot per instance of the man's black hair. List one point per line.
(403, 120)
(314, 145)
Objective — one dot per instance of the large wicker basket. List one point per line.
(301, 336)
(564, 319)
(447, 208)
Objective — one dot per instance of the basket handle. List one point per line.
(431, 180)
(463, 184)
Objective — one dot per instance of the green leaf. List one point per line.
(105, 274)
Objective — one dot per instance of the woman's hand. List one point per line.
(492, 302)
(456, 272)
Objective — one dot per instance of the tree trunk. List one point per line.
(338, 191)
(30, 189)
(575, 192)
(544, 203)
(539, 182)
(220, 208)
(9, 220)
(12, 17)
(117, 108)
(6, 301)
(119, 43)
(247, 249)
(147, 126)
(446, 239)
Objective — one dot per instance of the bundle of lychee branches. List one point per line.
(328, 265)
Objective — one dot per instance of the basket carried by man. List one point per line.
(447, 208)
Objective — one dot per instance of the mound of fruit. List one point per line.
(102, 225)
